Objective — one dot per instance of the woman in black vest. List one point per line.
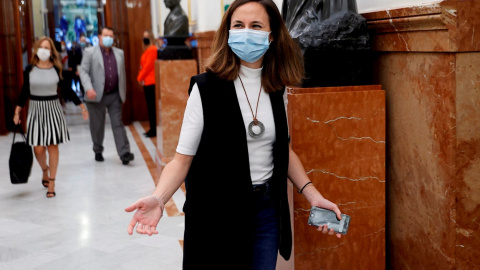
(233, 151)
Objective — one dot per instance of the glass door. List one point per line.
(68, 20)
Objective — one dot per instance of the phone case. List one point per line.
(319, 217)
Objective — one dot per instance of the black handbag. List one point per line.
(21, 160)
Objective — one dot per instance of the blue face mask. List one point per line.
(249, 45)
(107, 41)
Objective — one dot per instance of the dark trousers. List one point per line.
(265, 247)
(97, 110)
(152, 114)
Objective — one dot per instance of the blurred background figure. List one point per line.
(64, 26)
(75, 59)
(146, 77)
(80, 27)
(84, 42)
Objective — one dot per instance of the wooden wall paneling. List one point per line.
(51, 17)
(136, 27)
(100, 14)
(18, 63)
(28, 34)
(118, 20)
(15, 39)
(3, 66)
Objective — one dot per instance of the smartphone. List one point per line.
(319, 217)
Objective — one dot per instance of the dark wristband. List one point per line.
(301, 190)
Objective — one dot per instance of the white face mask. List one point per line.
(63, 48)
(43, 54)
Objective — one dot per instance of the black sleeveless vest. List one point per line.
(218, 208)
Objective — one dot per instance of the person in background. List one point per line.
(233, 152)
(66, 73)
(103, 76)
(79, 27)
(64, 55)
(146, 77)
(64, 26)
(46, 126)
(75, 59)
(83, 42)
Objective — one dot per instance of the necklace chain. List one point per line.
(255, 121)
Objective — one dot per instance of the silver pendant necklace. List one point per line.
(255, 128)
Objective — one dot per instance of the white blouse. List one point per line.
(260, 150)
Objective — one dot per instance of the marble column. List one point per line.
(173, 81)
(429, 64)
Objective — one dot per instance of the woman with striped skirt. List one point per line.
(46, 126)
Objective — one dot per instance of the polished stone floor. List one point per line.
(85, 225)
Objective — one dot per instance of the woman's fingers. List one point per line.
(132, 207)
(134, 220)
(337, 211)
(148, 230)
(132, 224)
(140, 228)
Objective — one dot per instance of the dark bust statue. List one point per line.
(176, 23)
(334, 39)
(175, 33)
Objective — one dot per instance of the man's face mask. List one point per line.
(107, 41)
(249, 45)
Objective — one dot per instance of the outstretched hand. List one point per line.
(148, 214)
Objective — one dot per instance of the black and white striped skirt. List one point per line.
(46, 123)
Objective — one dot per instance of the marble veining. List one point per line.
(339, 134)
(344, 177)
(396, 30)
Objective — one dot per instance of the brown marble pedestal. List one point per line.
(173, 81)
(339, 135)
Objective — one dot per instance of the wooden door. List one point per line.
(16, 41)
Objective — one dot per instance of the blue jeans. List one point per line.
(266, 232)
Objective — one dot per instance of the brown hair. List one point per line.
(108, 28)
(282, 63)
(54, 57)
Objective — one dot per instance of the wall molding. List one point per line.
(448, 26)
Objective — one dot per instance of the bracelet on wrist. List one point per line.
(160, 203)
(300, 191)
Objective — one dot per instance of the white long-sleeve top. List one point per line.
(260, 150)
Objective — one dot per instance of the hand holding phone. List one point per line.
(319, 217)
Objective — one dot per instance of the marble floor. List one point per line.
(85, 225)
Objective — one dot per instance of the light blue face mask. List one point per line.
(249, 45)
(107, 41)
